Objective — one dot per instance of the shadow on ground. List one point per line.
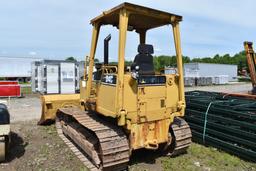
(16, 148)
(145, 156)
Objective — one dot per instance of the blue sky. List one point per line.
(57, 29)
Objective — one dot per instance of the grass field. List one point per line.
(206, 158)
(198, 158)
(25, 90)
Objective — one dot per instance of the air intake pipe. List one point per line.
(106, 48)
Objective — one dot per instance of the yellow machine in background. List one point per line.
(124, 108)
(5, 132)
(251, 61)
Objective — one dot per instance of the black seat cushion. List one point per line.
(145, 49)
(144, 59)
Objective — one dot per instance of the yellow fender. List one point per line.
(51, 103)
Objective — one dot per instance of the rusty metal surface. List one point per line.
(251, 60)
(112, 145)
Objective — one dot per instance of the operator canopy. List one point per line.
(140, 18)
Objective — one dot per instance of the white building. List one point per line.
(56, 76)
(16, 67)
(210, 70)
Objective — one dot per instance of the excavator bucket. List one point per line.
(51, 103)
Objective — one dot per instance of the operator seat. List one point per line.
(144, 60)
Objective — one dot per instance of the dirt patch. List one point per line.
(24, 109)
(145, 160)
(36, 147)
(39, 148)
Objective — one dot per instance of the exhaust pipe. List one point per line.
(106, 48)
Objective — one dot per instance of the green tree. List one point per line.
(96, 60)
(238, 59)
(71, 59)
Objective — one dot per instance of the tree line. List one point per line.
(238, 59)
(162, 61)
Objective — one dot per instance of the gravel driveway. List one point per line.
(229, 88)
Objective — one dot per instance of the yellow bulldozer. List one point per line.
(124, 108)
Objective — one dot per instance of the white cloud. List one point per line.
(63, 29)
(32, 53)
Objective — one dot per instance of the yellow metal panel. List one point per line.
(150, 134)
(146, 92)
(172, 91)
(95, 35)
(176, 35)
(51, 103)
(148, 17)
(145, 104)
(106, 97)
(83, 90)
(130, 94)
(151, 103)
(123, 24)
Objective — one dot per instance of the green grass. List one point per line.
(244, 79)
(197, 158)
(26, 90)
(25, 83)
(206, 158)
(50, 129)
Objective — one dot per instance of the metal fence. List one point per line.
(223, 121)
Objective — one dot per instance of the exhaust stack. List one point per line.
(106, 48)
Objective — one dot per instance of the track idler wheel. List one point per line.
(180, 138)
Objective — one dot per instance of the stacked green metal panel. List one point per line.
(225, 122)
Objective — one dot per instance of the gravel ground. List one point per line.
(24, 109)
(229, 88)
(38, 148)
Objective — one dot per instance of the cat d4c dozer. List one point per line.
(124, 108)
